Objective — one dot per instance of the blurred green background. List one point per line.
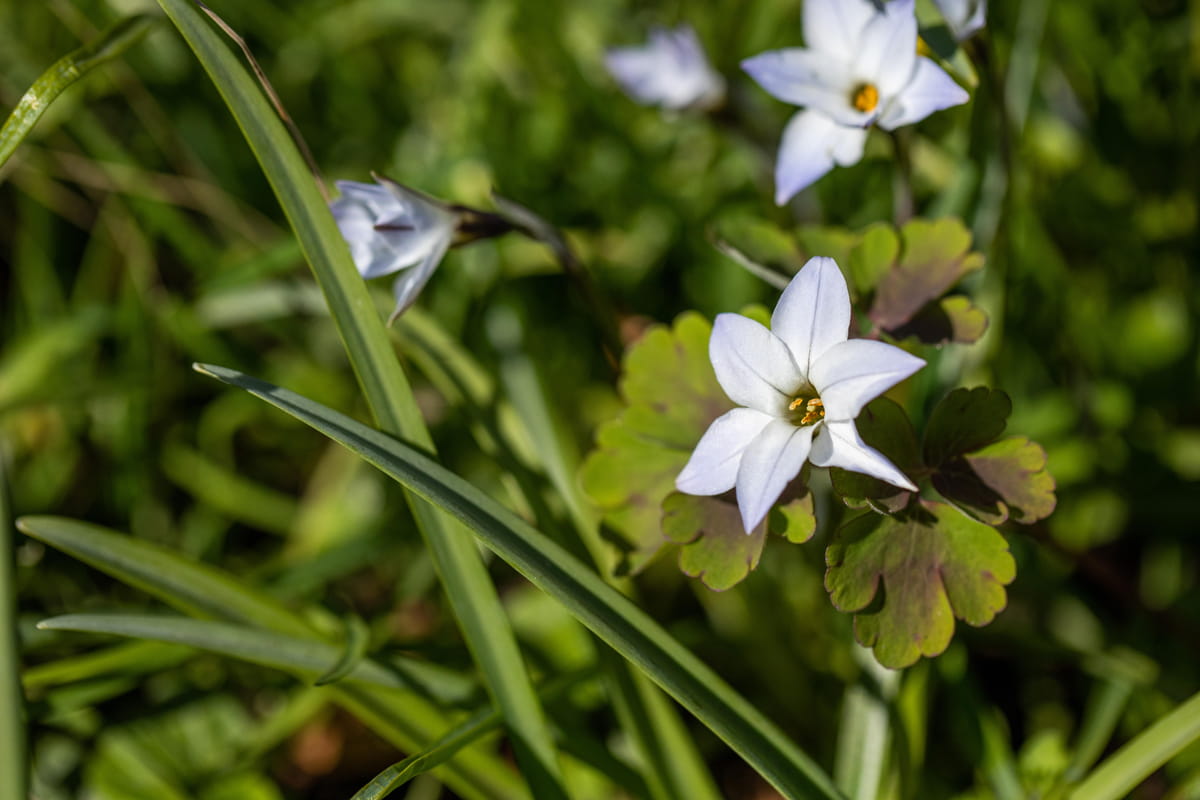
(137, 235)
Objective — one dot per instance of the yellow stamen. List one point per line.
(812, 407)
(865, 97)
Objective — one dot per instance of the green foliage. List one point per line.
(671, 396)
(906, 577)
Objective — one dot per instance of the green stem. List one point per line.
(13, 761)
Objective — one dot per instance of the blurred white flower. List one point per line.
(390, 228)
(860, 68)
(964, 17)
(670, 70)
(802, 383)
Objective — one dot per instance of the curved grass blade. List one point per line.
(355, 649)
(13, 761)
(404, 718)
(276, 650)
(473, 597)
(583, 593)
(1118, 774)
(64, 72)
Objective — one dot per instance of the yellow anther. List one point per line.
(806, 410)
(799, 401)
(865, 97)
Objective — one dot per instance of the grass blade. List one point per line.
(583, 593)
(13, 762)
(472, 595)
(1118, 774)
(306, 657)
(64, 72)
(403, 717)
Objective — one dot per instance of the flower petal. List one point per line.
(888, 47)
(963, 17)
(768, 465)
(808, 78)
(853, 373)
(713, 467)
(929, 89)
(839, 445)
(409, 284)
(671, 70)
(813, 314)
(753, 365)
(812, 143)
(834, 26)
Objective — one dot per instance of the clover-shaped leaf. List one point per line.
(671, 396)
(906, 578)
(884, 426)
(990, 480)
(935, 256)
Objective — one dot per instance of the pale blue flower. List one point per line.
(963, 17)
(391, 228)
(860, 68)
(670, 71)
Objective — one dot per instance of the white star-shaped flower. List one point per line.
(860, 68)
(670, 71)
(801, 385)
(390, 228)
(963, 17)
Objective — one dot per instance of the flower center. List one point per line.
(806, 410)
(865, 97)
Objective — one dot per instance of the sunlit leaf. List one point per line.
(672, 395)
(951, 319)
(907, 577)
(935, 256)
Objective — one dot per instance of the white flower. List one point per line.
(964, 17)
(669, 71)
(389, 228)
(860, 68)
(801, 383)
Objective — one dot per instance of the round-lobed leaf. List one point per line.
(907, 577)
(884, 426)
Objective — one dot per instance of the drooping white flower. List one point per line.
(390, 228)
(860, 68)
(801, 384)
(670, 71)
(963, 17)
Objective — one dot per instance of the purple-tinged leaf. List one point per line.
(907, 577)
(952, 319)
(936, 256)
(1015, 468)
(965, 420)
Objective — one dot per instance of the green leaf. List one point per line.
(304, 656)
(14, 763)
(906, 577)
(65, 72)
(872, 257)
(403, 717)
(714, 546)
(611, 615)
(935, 257)
(965, 420)
(1015, 469)
(474, 599)
(990, 480)
(884, 426)
(1118, 774)
(952, 319)
(671, 395)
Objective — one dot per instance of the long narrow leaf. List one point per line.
(64, 72)
(473, 597)
(402, 717)
(275, 650)
(1118, 774)
(583, 593)
(13, 763)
